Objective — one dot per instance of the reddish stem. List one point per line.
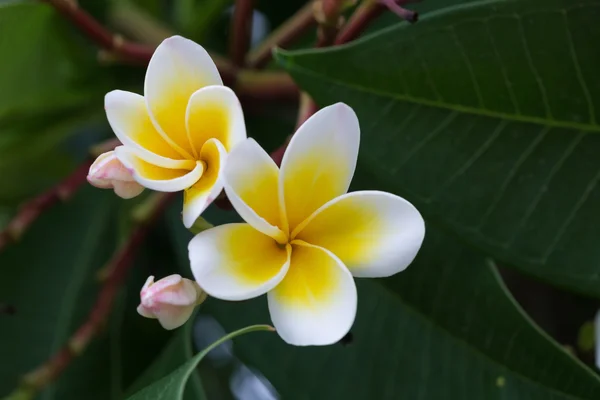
(366, 13)
(283, 36)
(240, 32)
(118, 266)
(33, 208)
(100, 35)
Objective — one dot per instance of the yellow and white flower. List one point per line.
(177, 135)
(305, 238)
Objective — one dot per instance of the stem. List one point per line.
(287, 33)
(61, 192)
(118, 266)
(265, 85)
(366, 12)
(32, 209)
(100, 35)
(241, 29)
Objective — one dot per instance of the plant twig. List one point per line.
(367, 12)
(286, 34)
(100, 35)
(265, 85)
(118, 266)
(61, 192)
(240, 32)
(32, 209)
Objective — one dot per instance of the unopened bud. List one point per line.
(171, 300)
(107, 172)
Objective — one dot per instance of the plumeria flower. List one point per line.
(305, 238)
(107, 172)
(177, 135)
(171, 300)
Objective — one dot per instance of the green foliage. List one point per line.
(485, 119)
(484, 115)
(171, 387)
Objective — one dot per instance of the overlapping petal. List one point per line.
(375, 234)
(128, 117)
(319, 162)
(155, 177)
(199, 196)
(236, 262)
(214, 112)
(251, 183)
(177, 69)
(315, 304)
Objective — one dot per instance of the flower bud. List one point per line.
(171, 300)
(107, 172)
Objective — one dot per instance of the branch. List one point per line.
(287, 33)
(61, 192)
(100, 35)
(240, 32)
(367, 12)
(265, 86)
(118, 267)
(32, 209)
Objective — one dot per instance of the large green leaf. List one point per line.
(49, 278)
(444, 328)
(484, 115)
(171, 387)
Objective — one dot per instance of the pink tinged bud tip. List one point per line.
(171, 300)
(107, 172)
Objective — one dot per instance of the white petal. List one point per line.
(251, 179)
(215, 112)
(315, 304)
(178, 68)
(199, 196)
(375, 234)
(128, 117)
(236, 262)
(157, 178)
(319, 160)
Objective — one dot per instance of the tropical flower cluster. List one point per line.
(304, 238)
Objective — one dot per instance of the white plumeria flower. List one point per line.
(107, 172)
(176, 136)
(304, 236)
(171, 300)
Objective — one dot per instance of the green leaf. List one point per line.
(175, 353)
(49, 278)
(485, 116)
(171, 387)
(445, 328)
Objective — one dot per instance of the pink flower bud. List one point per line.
(171, 300)
(107, 172)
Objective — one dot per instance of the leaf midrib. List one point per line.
(432, 103)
